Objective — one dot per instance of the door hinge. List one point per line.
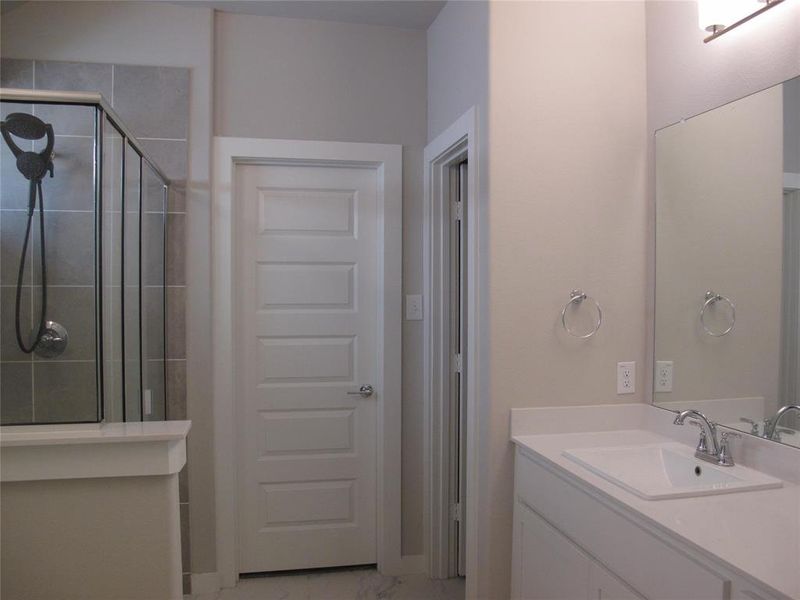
(457, 363)
(458, 210)
(455, 512)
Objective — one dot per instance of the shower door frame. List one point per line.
(103, 112)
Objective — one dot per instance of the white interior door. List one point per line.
(306, 335)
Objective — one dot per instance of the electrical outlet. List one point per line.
(413, 307)
(663, 376)
(626, 377)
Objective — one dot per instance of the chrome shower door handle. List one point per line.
(365, 391)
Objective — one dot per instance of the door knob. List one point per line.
(365, 391)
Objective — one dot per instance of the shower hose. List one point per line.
(35, 189)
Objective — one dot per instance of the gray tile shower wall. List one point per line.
(154, 103)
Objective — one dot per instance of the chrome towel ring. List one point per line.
(576, 297)
(711, 299)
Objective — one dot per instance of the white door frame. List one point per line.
(439, 155)
(387, 160)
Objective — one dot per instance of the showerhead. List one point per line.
(33, 165)
(26, 126)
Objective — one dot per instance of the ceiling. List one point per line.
(411, 14)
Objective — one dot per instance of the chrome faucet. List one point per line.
(771, 425)
(720, 452)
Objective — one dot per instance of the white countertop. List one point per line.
(92, 433)
(755, 533)
(48, 452)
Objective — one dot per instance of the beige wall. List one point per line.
(317, 80)
(162, 34)
(103, 539)
(562, 177)
(719, 226)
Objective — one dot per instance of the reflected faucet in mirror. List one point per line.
(771, 429)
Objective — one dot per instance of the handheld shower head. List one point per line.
(32, 165)
(48, 338)
(26, 126)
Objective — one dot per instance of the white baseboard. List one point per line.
(208, 583)
(205, 583)
(411, 564)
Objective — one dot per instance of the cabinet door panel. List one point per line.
(634, 554)
(547, 566)
(605, 586)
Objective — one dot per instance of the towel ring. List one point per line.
(576, 297)
(712, 298)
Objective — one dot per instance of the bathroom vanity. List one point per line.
(579, 534)
(91, 511)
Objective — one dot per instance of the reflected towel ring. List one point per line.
(576, 297)
(712, 298)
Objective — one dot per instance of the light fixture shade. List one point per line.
(716, 14)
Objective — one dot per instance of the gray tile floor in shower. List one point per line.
(344, 584)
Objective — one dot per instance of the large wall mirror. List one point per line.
(727, 298)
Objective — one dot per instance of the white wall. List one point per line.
(158, 34)
(567, 155)
(458, 79)
(686, 77)
(791, 126)
(319, 80)
(719, 183)
(458, 63)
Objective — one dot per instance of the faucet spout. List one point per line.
(772, 424)
(707, 427)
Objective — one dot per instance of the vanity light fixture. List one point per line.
(720, 16)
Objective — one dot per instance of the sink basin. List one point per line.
(661, 471)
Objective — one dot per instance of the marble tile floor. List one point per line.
(340, 584)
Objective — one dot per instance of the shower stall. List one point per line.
(82, 264)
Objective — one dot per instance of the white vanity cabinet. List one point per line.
(548, 566)
(570, 542)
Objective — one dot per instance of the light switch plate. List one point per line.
(413, 307)
(626, 378)
(663, 381)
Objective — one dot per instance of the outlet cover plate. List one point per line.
(663, 377)
(626, 378)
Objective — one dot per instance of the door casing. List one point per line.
(451, 146)
(386, 159)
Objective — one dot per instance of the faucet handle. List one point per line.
(702, 443)
(753, 425)
(725, 458)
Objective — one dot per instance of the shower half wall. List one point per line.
(153, 101)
